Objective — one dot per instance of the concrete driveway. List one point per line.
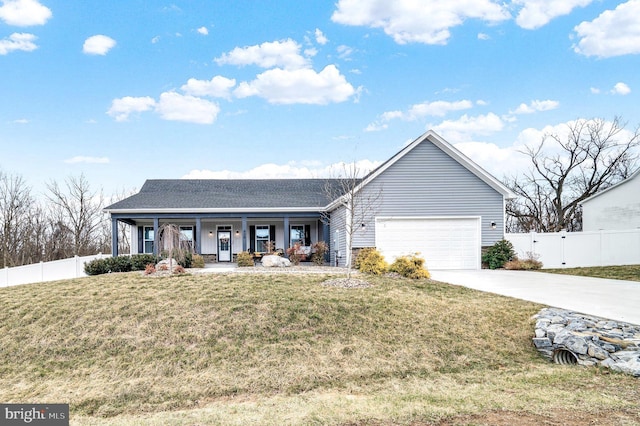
(613, 299)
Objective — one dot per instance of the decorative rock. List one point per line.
(165, 264)
(553, 329)
(542, 342)
(597, 352)
(593, 341)
(271, 261)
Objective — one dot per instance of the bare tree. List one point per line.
(566, 170)
(359, 204)
(16, 204)
(172, 241)
(77, 211)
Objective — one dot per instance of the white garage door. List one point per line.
(444, 243)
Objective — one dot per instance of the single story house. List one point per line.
(614, 208)
(428, 198)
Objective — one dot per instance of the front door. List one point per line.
(224, 246)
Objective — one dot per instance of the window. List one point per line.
(262, 238)
(297, 235)
(148, 239)
(186, 236)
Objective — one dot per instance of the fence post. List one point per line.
(6, 276)
(41, 271)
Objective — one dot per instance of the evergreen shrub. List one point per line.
(498, 254)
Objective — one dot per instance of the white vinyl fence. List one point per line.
(578, 249)
(46, 271)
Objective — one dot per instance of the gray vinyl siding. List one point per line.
(338, 223)
(428, 182)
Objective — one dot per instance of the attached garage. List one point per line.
(444, 242)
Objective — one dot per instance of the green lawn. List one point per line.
(623, 272)
(283, 349)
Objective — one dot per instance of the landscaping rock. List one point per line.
(273, 261)
(593, 341)
(167, 264)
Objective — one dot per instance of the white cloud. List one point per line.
(536, 106)
(155, 39)
(88, 160)
(537, 13)
(24, 13)
(21, 121)
(376, 126)
(284, 54)
(409, 21)
(98, 45)
(203, 30)
(344, 51)
(499, 161)
(300, 86)
(436, 108)
(418, 111)
(483, 36)
(121, 108)
(173, 106)
(595, 90)
(18, 41)
(613, 33)
(320, 37)
(621, 89)
(291, 170)
(464, 128)
(217, 87)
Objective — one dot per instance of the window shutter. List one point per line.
(140, 239)
(272, 233)
(307, 235)
(252, 239)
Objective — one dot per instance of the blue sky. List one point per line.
(126, 91)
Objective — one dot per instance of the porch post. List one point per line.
(114, 237)
(197, 234)
(287, 237)
(325, 231)
(244, 233)
(156, 237)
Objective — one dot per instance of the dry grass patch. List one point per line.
(281, 349)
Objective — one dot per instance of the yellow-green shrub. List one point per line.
(370, 261)
(410, 266)
(244, 259)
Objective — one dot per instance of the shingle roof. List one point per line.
(228, 193)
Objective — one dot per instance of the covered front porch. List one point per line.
(220, 237)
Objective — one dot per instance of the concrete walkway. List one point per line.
(612, 299)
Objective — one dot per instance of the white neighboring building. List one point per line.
(617, 207)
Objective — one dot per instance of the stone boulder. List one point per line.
(273, 261)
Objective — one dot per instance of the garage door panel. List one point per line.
(444, 243)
